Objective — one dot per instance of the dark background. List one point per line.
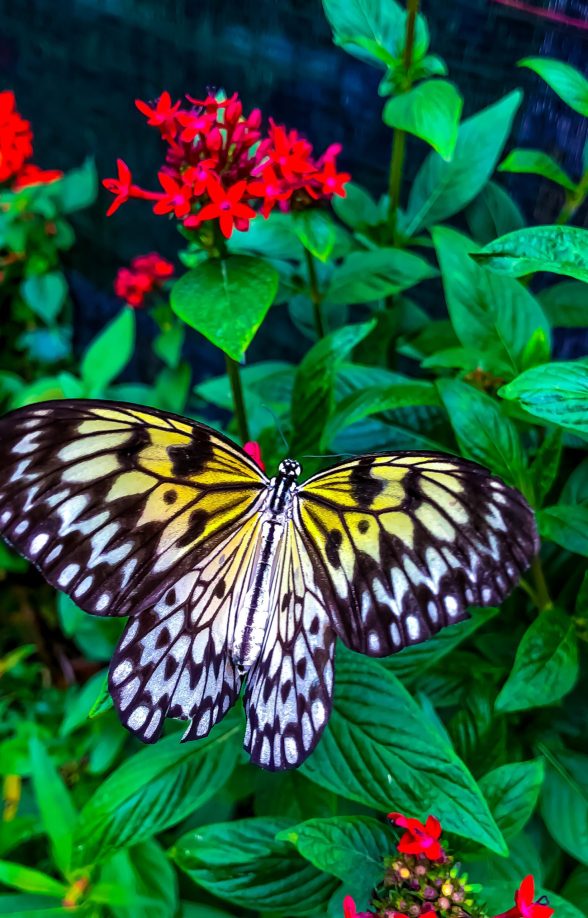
(77, 66)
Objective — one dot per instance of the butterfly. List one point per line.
(231, 578)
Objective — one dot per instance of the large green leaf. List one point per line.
(373, 30)
(558, 249)
(226, 300)
(154, 789)
(564, 801)
(146, 880)
(29, 880)
(351, 848)
(357, 209)
(57, 811)
(109, 352)
(565, 80)
(493, 213)
(386, 755)
(431, 111)
(536, 162)
(492, 314)
(313, 398)
(442, 188)
(45, 294)
(242, 861)
(555, 392)
(483, 431)
(546, 664)
(566, 304)
(567, 525)
(366, 276)
(512, 792)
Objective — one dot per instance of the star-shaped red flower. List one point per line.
(121, 186)
(419, 838)
(161, 115)
(524, 906)
(177, 198)
(227, 206)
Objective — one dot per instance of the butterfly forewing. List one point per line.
(408, 541)
(113, 503)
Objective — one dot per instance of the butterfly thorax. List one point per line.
(253, 615)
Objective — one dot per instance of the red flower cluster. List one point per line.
(524, 906)
(16, 147)
(219, 166)
(145, 274)
(419, 838)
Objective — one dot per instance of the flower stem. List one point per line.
(574, 201)
(238, 400)
(398, 136)
(315, 294)
(542, 597)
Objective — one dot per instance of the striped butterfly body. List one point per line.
(229, 577)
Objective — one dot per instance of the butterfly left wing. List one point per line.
(406, 542)
(288, 697)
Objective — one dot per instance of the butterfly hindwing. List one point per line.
(114, 502)
(408, 541)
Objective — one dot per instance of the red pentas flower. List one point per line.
(162, 115)
(16, 138)
(429, 914)
(419, 838)
(253, 449)
(226, 205)
(32, 175)
(524, 906)
(145, 274)
(350, 909)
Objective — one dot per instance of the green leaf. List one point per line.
(96, 637)
(566, 304)
(567, 525)
(563, 908)
(313, 396)
(357, 209)
(564, 801)
(45, 294)
(493, 213)
(109, 352)
(384, 754)
(492, 314)
(366, 276)
(576, 889)
(58, 814)
(558, 249)
(154, 789)
(77, 189)
(431, 111)
(536, 162)
(351, 848)
(554, 392)
(102, 701)
(375, 400)
(442, 188)
(316, 231)
(483, 431)
(512, 792)
(29, 880)
(569, 84)
(168, 344)
(373, 30)
(545, 465)
(146, 879)
(80, 702)
(546, 664)
(244, 862)
(226, 301)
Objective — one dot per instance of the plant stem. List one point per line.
(398, 136)
(541, 592)
(238, 400)
(573, 201)
(315, 294)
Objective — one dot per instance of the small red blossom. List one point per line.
(350, 909)
(419, 838)
(253, 449)
(16, 137)
(194, 123)
(32, 175)
(429, 914)
(289, 152)
(524, 906)
(162, 115)
(176, 199)
(122, 187)
(270, 188)
(226, 205)
(332, 182)
(197, 176)
(145, 274)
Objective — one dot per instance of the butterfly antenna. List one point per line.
(279, 427)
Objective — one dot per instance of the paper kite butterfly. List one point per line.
(230, 577)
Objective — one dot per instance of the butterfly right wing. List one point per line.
(174, 659)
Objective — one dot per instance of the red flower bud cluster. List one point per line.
(219, 165)
(145, 274)
(16, 147)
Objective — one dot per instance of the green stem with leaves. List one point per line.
(574, 201)
(540, 590)
(398, 136)
(238, 399)
(315, 294)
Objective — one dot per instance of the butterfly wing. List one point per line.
(406, 542)
(288, 697)
(111, 502)
(133, 511)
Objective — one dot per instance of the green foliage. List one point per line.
(483, 725)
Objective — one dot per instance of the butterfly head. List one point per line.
(290, 469)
